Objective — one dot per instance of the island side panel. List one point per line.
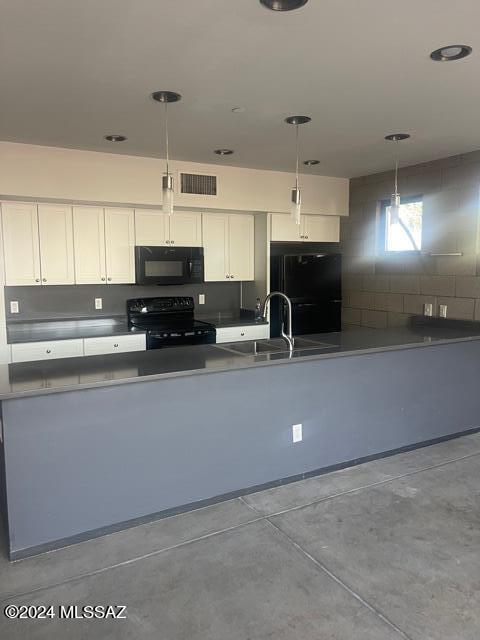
(81, 460)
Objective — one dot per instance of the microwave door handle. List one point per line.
(190, 267)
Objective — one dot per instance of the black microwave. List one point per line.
(168, 265)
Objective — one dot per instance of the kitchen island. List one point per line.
(96, 444)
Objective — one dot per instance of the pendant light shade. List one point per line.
(167, 180)
(296, 204)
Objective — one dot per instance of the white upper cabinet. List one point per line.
(120, 245)
(186, 229)
(89, 243)
(228, 242)
(151, 228)
(156, 229)
(215, 243)
(21, 246)
(284, 228)
(321, 228)
(241, 241)
(55, 227)
(312, 228)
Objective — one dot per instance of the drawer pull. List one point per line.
(48, 351)
(242, 334)
(116, 346)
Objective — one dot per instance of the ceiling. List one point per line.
(72, 72)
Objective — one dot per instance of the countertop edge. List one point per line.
(243, 363)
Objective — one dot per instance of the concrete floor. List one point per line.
(386, 550)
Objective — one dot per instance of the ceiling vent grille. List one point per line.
(198, 184)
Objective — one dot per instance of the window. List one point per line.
(404, 234)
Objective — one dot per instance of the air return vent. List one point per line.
(198, 184)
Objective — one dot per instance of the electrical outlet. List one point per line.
(428, 309)
(201, 298)
(297, 433)
(14, 306)
(98, 303)
(442, 311)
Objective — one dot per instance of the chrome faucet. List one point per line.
(288, 337)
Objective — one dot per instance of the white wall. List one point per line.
(31, 171)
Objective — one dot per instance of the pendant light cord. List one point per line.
(396, 172)
(166, 136)
(298, 152)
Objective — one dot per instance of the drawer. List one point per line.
(28, 351)
(114, 344)
(236, 334)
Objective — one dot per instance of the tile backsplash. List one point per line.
(78, 301)
(382, 290)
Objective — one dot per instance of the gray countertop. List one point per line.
(224, 319)
(67, 374)
(41, 331)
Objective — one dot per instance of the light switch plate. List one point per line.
(14, 306)
(428, 309)
(201, 298)
(98, 303)
(297, 435)
(442, 311)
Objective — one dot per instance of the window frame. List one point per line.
(382, 228)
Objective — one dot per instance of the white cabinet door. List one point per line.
(241, 242)
(26, 351)
(89, 245)
(321, 228)
(186, 229)
(55, 228)
(151, 228)
(21, 247)
(120, 245)
(237, 334)
(215, 243)
(114, 344)
(284, 229)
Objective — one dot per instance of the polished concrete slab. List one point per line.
(386, 550)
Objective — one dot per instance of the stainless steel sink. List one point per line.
(274, 345)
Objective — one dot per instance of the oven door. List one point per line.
(168, 265)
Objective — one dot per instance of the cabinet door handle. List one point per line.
(48, 351)
(167, 241)
(103, 279)
(109, 279)
(227, 276)
(232, 276)
(172, 241)
(115, 345)
(306, 237)
(37, 279)
(242, 334)
(44, 279)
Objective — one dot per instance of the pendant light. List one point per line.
(395, 197)
(167, 180)
(296, 205)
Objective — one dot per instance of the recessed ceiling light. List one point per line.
(396, 137)
(239, 109)
(451, 52)
(166, 96)
(311, 163)
(223, 152)
(283, 5)
(115, 138)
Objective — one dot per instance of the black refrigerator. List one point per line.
(313, 283)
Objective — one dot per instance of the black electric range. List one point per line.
(168, 322)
